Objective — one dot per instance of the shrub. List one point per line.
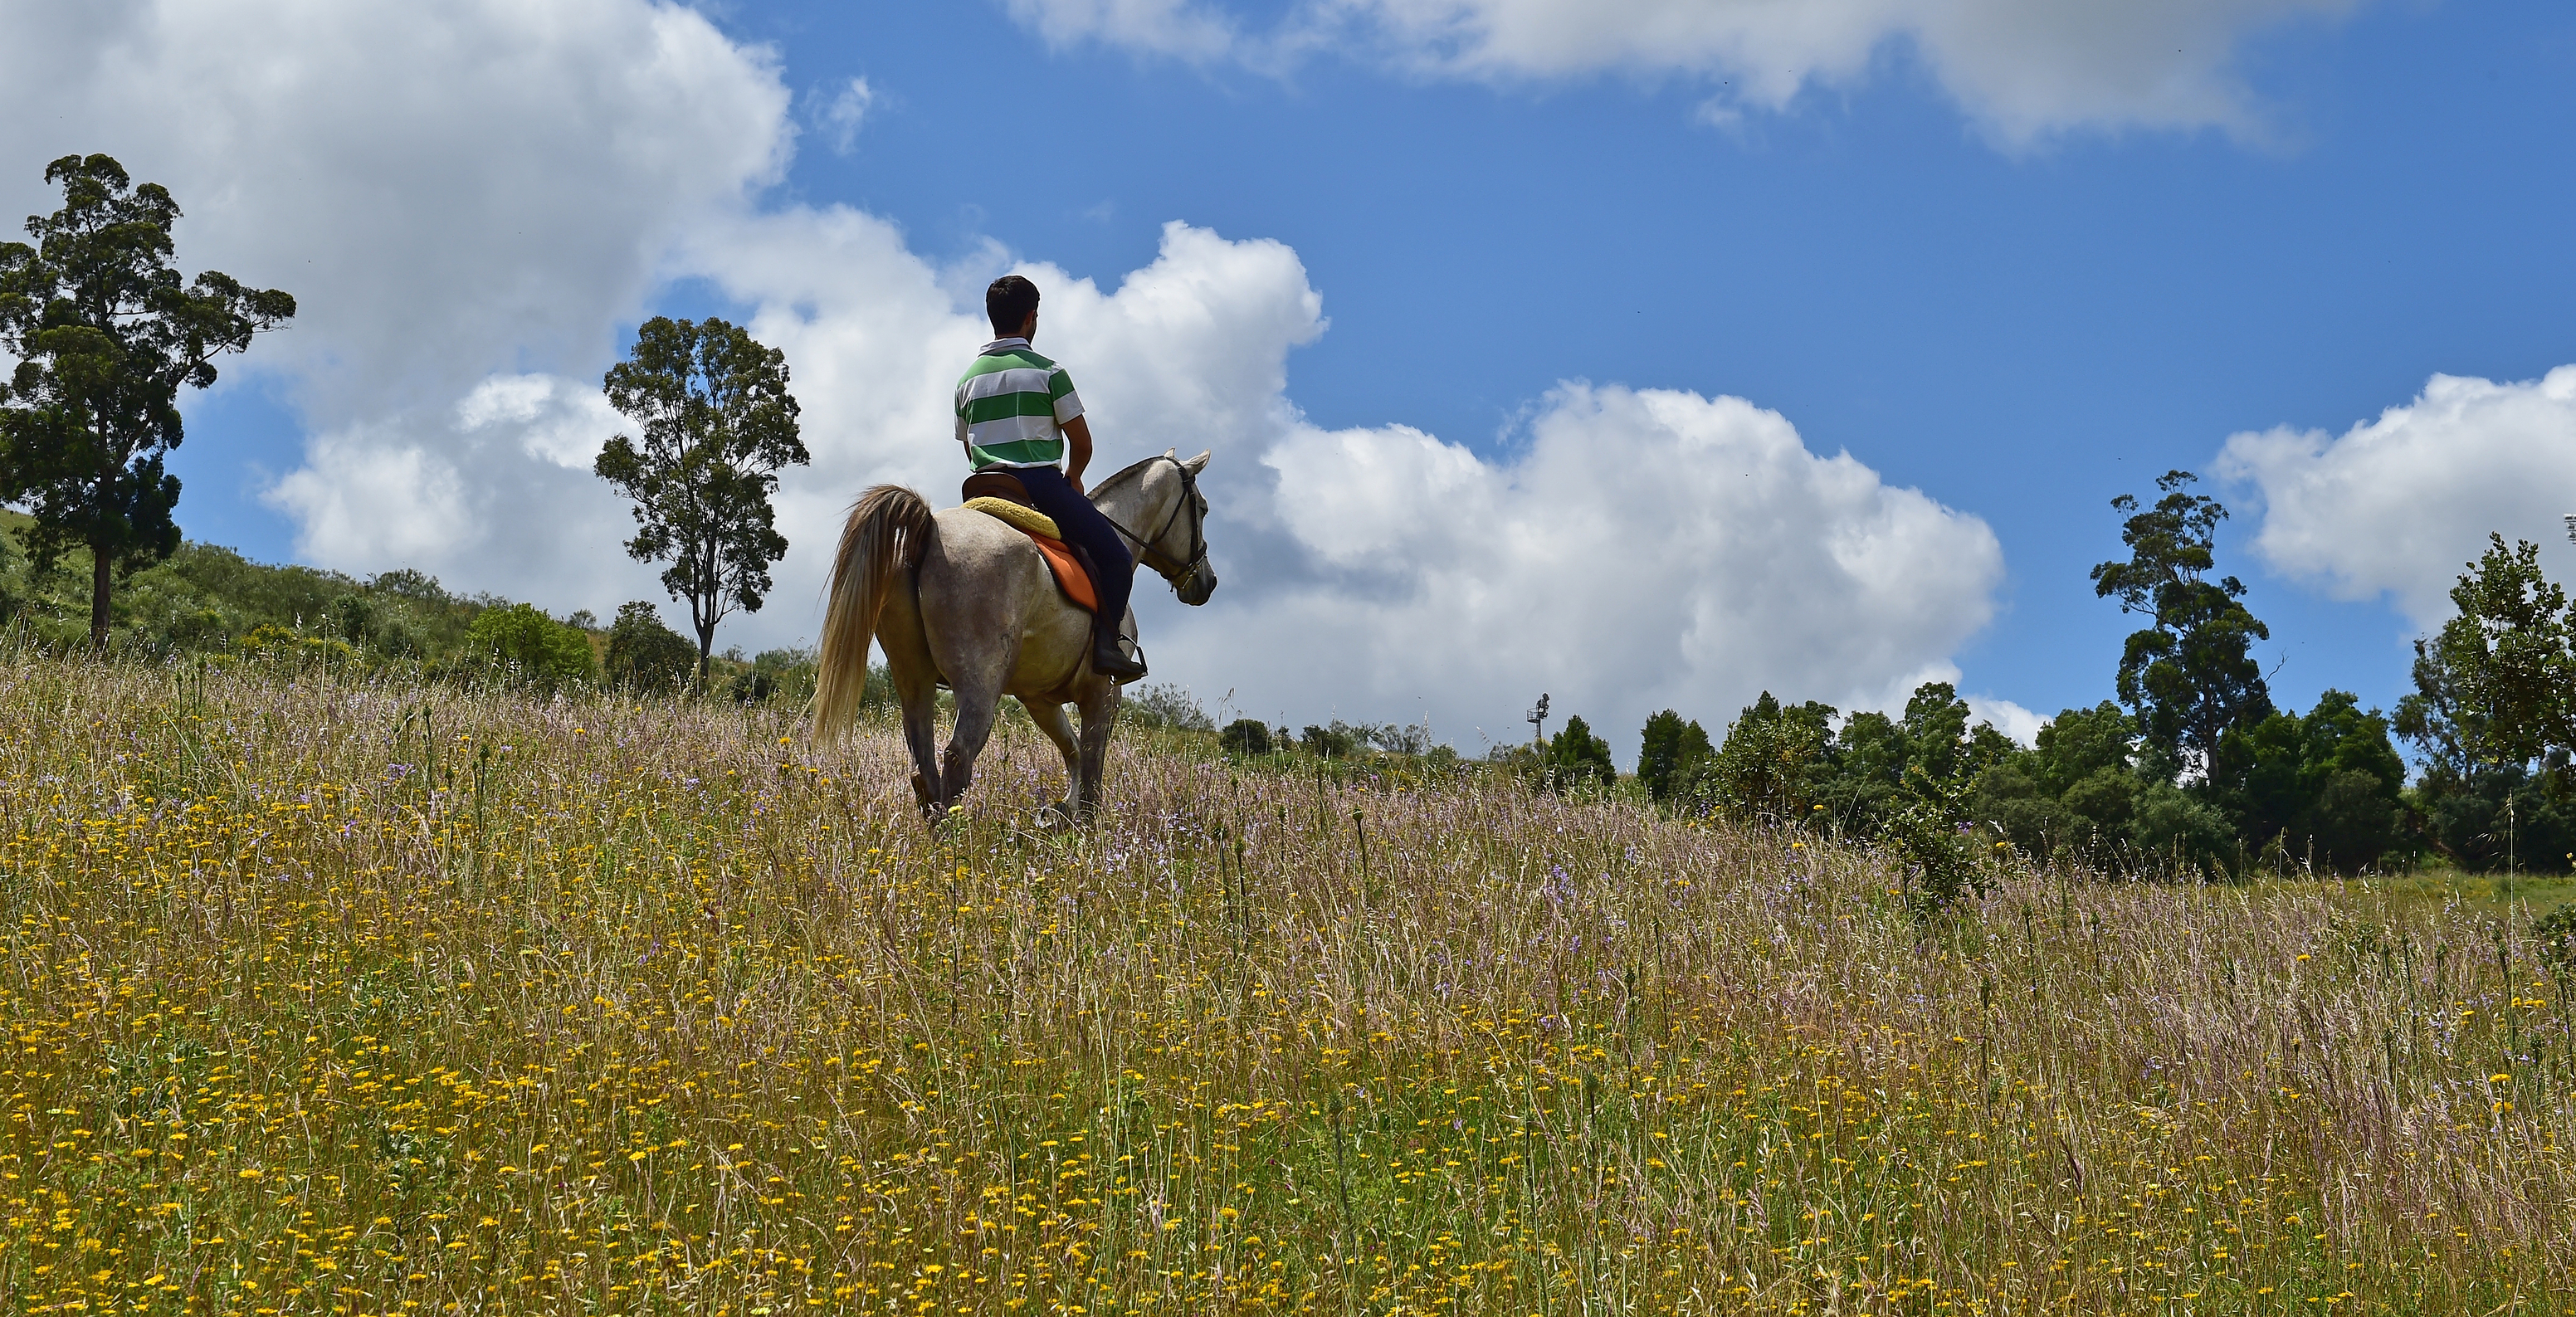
(410, 584)
(1943, 864)
(1245, 736)
(2556, 934)
(644, 655)
(777, 675)
(2175, 828)
(530, 647)
(1338, 741)
(1168, 705)
(1575, 755)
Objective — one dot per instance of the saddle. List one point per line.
(1001, 496)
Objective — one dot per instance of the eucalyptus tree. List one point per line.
(716, 423)
(2190, 674)
(105, 335)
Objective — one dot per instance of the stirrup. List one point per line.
(1112, 660)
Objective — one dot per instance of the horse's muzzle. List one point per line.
(1195, 588)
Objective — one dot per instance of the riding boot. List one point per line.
(1107, 658)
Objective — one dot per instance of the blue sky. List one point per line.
(2020, 329)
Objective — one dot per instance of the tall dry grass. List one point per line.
(344, 998)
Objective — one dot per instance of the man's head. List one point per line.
(1008, 303)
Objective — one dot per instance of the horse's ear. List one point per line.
(1172, 453)
(1196, 464)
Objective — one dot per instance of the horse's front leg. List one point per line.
(1099, 704)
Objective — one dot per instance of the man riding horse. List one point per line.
(968, 598)
(1017, 412)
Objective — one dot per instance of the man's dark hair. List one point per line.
(1007, 303)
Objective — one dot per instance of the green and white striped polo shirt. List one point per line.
(1012, 407)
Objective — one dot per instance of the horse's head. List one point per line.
(1170, 522)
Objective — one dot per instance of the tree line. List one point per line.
(106, 335)
(2193, 766)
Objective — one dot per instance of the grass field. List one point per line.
(346, 998)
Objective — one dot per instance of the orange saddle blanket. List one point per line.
(1001, 497)
(1069, 576)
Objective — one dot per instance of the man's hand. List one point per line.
(1077, 434)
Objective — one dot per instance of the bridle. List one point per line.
(1172, 569)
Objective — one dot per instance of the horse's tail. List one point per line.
(888, 528)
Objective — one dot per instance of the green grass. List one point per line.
(2520, 897)
(337, 996)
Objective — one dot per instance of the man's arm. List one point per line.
(1077, 454)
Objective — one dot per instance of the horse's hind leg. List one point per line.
(1049, 716)
(977, 703)
(920, 698)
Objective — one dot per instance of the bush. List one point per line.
(2556, 934)
(1245, 736)
(1338, 741)
(530, 647)
(1170, 706)
(406, 583)
(1943, 857)
(1575, 755)
(1400, 738)
(2175, 828)
(1770, 766)
(779, 675)
(644, 655)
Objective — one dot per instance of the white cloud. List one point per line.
(2021, 724)
(452, 192)
(1183, 28)
(2398, 506)
(847, 112)
(1645, 549)
(466, 239)
(557, 419)
(2023, 69)
(495, 494)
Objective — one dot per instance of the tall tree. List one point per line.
(1669, 749)
(718, 423)
(2191, 674)
(105, 335)
(2496, 687)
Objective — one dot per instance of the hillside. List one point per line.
(353, 995)
(209, 601)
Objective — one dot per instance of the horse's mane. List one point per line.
(1131, 469)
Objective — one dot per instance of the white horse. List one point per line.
(959, 599)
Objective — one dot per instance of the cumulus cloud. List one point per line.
(2397, 506)
(449, 190)
(1643, 549)
(466, 241)
(452, 192)
(2024, 69)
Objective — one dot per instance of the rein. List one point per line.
(1172, 569)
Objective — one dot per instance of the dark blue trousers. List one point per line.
(1080, 523)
